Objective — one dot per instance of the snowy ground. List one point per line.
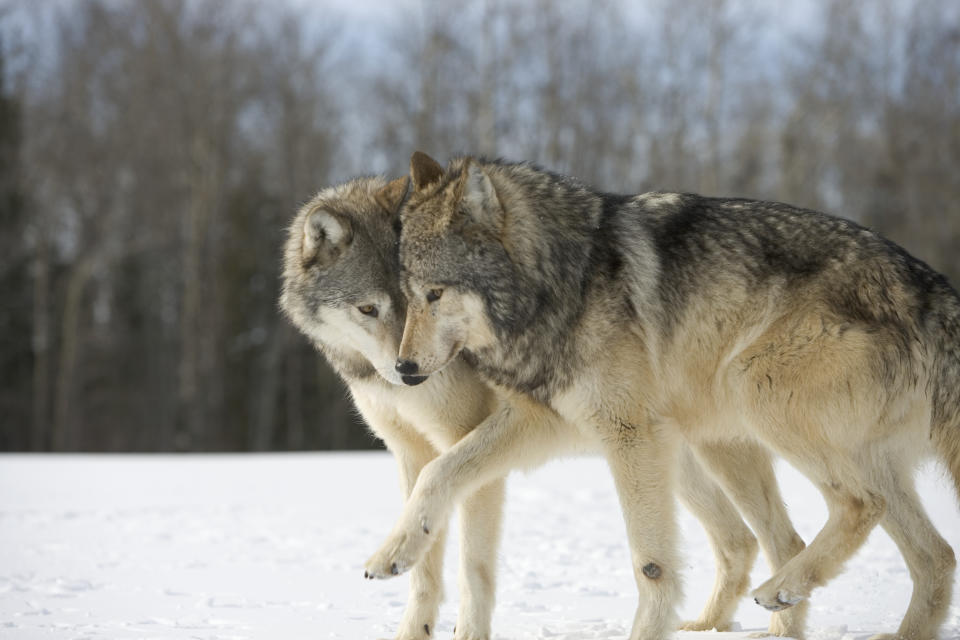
(273, 547)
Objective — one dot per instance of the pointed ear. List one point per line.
(324, 235)
(479, 197)
(391, 196)
(424, 170)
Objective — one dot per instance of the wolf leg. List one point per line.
(480, 518)
(745, 471)
(930, 559)
(520, 433)
(854, 511)
(734, 546)
(643, 462)
(412, 453)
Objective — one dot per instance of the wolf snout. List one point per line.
(406, 367)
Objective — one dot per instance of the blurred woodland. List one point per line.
(153, 152)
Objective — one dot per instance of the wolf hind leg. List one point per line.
(745, 471)
(734, 546)
(854, 509)
(929, 558)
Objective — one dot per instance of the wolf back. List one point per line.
(661, 315)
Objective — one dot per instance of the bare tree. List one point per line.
(151, 154)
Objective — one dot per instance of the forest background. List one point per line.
(152, 154)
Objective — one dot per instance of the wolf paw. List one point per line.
(789, 623)
(402, 550)
(423, 632)
(885, 636)
(774, 634)
(774, 598)
(701, 625)
(417, 631)
(470, 635)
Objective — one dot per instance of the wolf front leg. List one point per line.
(642, 459)
(520, 432)
(413, 452)
(481, 514)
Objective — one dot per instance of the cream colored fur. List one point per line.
(420, 423)
(416, 423)
(725, 387)
(857, 444)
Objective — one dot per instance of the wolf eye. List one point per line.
(434, 294)
(368, 310)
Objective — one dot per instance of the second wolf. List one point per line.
(654, 320)
(341, 287)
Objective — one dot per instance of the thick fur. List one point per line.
(341, 256)
(661, 320)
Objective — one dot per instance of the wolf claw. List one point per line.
(783, 601)
(401, 551)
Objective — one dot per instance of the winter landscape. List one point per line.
(152, 156)
(273, 546)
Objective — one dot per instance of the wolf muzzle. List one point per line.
(407, 370)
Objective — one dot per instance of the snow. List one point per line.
(273, 546)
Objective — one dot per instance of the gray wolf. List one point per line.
(649, 322)
(341, 287)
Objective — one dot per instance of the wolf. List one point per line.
(660, 321)
(341, 288)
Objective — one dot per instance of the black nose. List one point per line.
(406, 367)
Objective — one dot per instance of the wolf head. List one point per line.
(340, 276)
(455, 266)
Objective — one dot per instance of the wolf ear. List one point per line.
(391, 196)
(324, 235)
(479, 197)
(424, 170)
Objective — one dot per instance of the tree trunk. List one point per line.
(190, 414)
(63, 436)
(296, 437)
(40, 432)
(260, 437)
